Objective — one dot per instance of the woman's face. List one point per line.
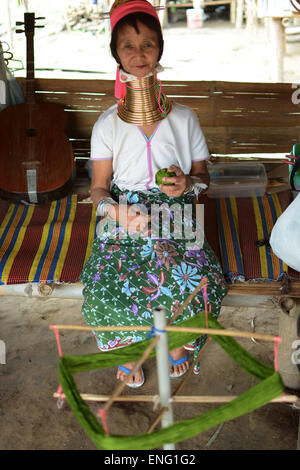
(138, 52)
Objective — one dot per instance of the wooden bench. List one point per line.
(241, 121)
(236, 118)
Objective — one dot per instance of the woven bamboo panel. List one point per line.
(236, 118)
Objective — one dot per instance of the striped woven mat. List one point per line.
(45, 243)
(51, 243)
(238, 230)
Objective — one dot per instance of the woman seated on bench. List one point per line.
(133, 268)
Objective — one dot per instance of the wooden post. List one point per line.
(10, 28)
(289, 322)
(290, 311)
(277, 47)
(251, 14)
(239, 13)
(163, 372)
(232, 11)
(163, 14)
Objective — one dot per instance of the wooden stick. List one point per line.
(188, 300)
(189, 372)
(177, 399)
(136, 367)
(149, 349)
(178, 389)
(122, 385)
(157, 420)
(178, 329)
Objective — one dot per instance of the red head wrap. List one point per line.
(132, 6)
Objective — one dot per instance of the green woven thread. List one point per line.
(270, 387)
(132, 353)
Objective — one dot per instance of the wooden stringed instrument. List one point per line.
(36, 157)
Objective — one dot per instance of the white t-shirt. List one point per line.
(177, 140)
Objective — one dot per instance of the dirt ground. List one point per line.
(29, 416)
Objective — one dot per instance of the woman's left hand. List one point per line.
(181, 182)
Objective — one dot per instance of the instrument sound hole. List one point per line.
(31, 132)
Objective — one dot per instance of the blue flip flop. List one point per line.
(176, 363)
(127, 371)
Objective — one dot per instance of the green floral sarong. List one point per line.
(126, 277)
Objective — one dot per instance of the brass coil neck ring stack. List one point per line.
(144, 102)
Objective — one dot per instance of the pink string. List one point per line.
(61, 399)
(103, 416)
(283, 396)
(205, 302)
(59, 390)
(120, 88)
(205, 305)
(159, 97)
(290, 160)
(277, 340)
(54, 328)
(292, 157)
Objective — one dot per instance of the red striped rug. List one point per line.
(51, 243)
(45, 243)
(238, 230)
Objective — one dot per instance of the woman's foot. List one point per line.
(137, 380)
(180, 364)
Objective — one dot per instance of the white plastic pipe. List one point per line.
(163, 372)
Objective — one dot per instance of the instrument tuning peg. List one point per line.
(20, 30)
(40, 18)
(19, 23)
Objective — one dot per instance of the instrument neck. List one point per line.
(30, 80)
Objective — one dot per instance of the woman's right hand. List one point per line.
(130, 218)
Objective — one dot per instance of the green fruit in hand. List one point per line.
(161, 174)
